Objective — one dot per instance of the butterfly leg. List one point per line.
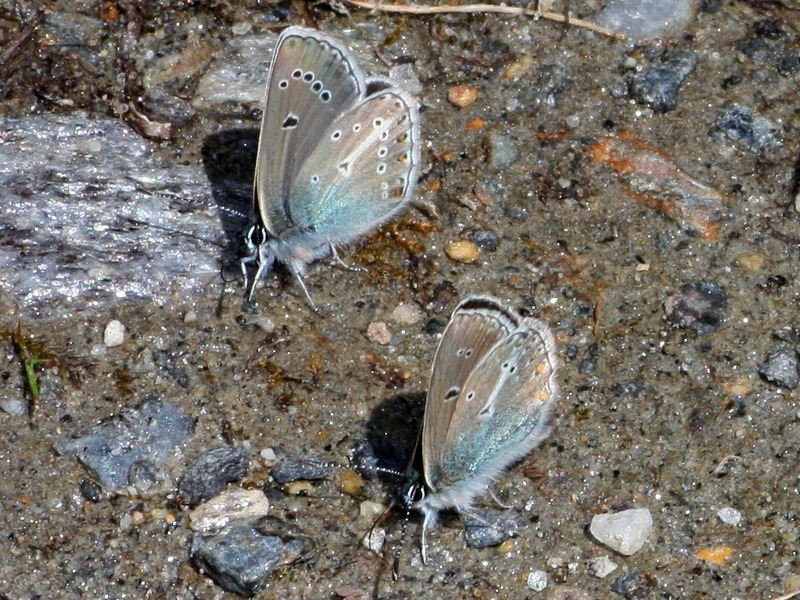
(305, 289)
(264, 259)
(343, 264)
(427, 523)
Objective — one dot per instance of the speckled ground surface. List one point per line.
(651, 415)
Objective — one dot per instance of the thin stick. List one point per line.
(788, 596)
(488, 8)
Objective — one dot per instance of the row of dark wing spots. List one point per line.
(292, 120)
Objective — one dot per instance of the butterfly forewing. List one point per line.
(362, 169)
(503, 405)
(311, 83)
(476, 327)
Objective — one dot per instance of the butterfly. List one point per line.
(338, 155)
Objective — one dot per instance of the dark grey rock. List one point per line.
(241, 558)
(634, 586)
(627, 388)
(131, 446)
(658, 84)
(756, 134)
(160, 105)
(550, 83)
(700, 306)
(486, 239)
(168, 363)
(293, 468)
(781, 368)
(215, 469)
(491, 527)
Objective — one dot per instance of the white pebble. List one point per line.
(730, 516)
(114, 334)
(14, 407)
(232, 504)
(378, 332)
(602, 566)
(625, 532)
(370, 510)
(374, 539)
(407, 314)
(190, 316)
(537, 580)
(268, 454)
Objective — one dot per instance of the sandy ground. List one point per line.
(651, 415)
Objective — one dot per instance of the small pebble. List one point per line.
(602, 566)
(114, 334)
(781, 368)
(14, 406)
(657, 85)
(462, 95)
(462, 250)
(292, 468)
(190, 316)
(751, 262)
(374, 539)
(407, 314)
(488, 527)
(485, 239)
(213, 470)
(716, 554)
(350, 482)
(700, 305)
(757, 134)
(739, 386)
(297, 488)
(370, 510)
(634, 586)
(625, 532)
(537, 581)
(379, 333)
(234, 503)
(268, 455)
(502, 150)
(730, 516)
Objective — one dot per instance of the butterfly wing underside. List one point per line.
(477, 326)
(312, 82)
(362, 170)
(501, 412)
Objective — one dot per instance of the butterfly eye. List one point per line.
(381, 168)
(297, 74)
(356, 127)
(317, 86)
(383, 152)
(452, 393)
(377, 122)
(283, 84)
(308, 77)
(325, 96)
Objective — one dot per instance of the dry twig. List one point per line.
(487, 8)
